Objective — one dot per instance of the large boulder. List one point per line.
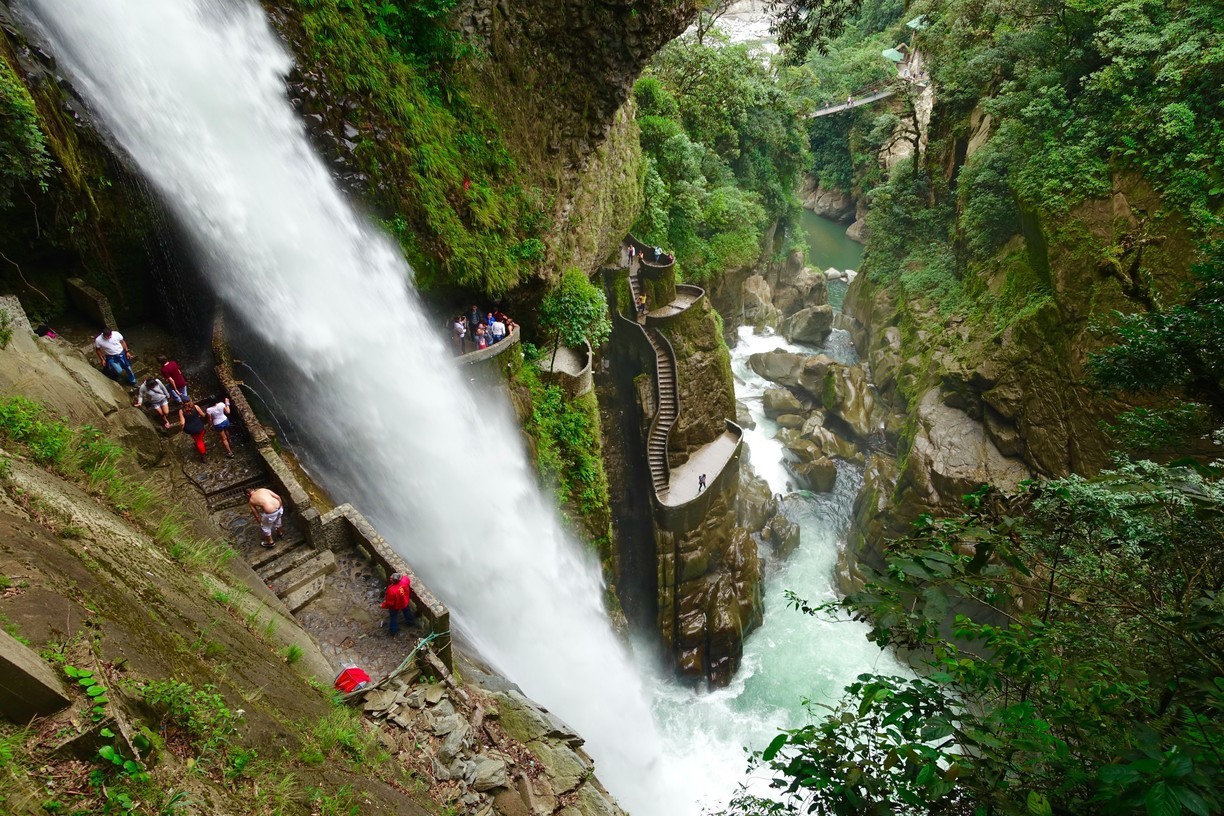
(797, 446)
(758, 305)
(780, 401)
(832, 204)
(953, 454)
(812, 374)
(848, 395)
(818, 476)
(798, 289)
(809, 325)
(858, 231)
(781, 367)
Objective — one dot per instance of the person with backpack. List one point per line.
(398, 600)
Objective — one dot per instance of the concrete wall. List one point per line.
(683, 518)
(344, 526)
(574, 385)
(90, 302)
(495, 364)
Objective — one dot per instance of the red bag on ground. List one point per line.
(351, 679)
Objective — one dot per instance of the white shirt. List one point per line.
(217, 413)
(498, 328)
(112, 346)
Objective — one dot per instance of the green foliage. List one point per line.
(569, 450)
(1084, 671)
(1177, 346)
(292, 654)
(724, 145)
(6, 328)
(461, 213)
(575, 311)
(910, 245)
(202, 714)
(341, 732)
(94, 689)
(23, 147)
(1082, 89)
(803, 25)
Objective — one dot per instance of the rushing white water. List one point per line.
(791, 657)
(194, 92)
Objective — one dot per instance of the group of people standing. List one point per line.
(116, 359)
(478, 329)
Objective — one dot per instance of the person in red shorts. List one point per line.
(195, 425)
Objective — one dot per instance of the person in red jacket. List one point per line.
(399, 595)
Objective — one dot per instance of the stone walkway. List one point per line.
(568, 361)
(709, 459)
(682, 301)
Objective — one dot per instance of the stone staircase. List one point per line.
(668, 407)
(293, 569)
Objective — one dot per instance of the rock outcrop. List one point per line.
(832, 204)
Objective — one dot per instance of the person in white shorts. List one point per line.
(269, 511)
(218, 415)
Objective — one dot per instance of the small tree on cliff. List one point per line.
(573, 311)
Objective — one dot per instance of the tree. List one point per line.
(1074, 639)
(1175, 347)
(575, 311)
(709, 16)
(803, 25)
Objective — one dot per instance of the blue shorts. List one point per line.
(221, 426)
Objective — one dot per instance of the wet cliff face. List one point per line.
(987, 397)
(562, 68)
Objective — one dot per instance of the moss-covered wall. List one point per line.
(86, 217)
(707, 388)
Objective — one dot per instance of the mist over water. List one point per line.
(194, 92)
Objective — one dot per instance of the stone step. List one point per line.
(265, 555)
(322, 563)
(290, 560)
(303, 595)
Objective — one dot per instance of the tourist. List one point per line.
(701, 484)
(501, 317)
(174, 378)
(159, 400)
(497, 330)
(658, 253)
(641, 304)
(482, 337)
(219, 415)
(473, 320)
(114, 354)
(398, 600)
(632, 253)
(269, 513)
(458, 332)
(195, 424)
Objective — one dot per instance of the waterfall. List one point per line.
(193, 91)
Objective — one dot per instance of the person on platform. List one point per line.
(269, 512)
(398, 601)
(497, 331)
(174, 379)
(458, 333)
(114, 354)
(159, 400)
(219, 416)
(195, 425)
